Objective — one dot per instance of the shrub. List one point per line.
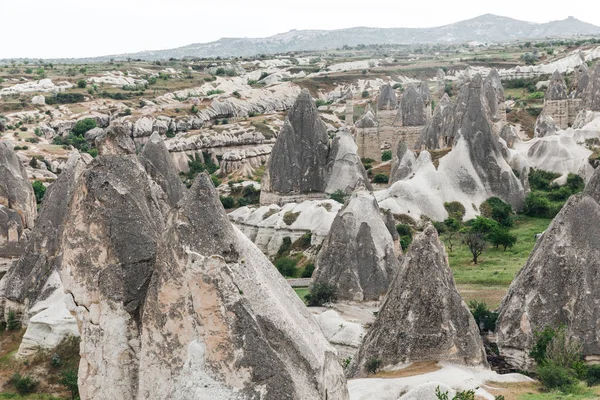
(405, 242)
(81, 127)
(81, 84)
(381, 178)
(564, 350)
(386, 155)
(285, 247)
(68, 378)
(228, 202)
(308, 270)
(373, 365)
(554, 376)
(540, 179)
(500, 236)
(592, 377)
(537, 205)
(365, 94)
(575, 183)
(498, 210)
(39, 189)
(65, 98)
(404, 230)
(338, 196)
(12, 322)
(23, 384)
(290, 217)
(321, 293)
(542, 338)
(455, 210)
(286, 266)
(320, 102)
(486, 319)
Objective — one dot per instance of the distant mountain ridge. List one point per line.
(487, 28)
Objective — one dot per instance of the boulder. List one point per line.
(402, 165)
(38, 100)
(157, 162)
(368, 120)
(510, 135)
(300, 154)
(544, 125)
(423, 317)
(557, 89)
(591, 95)
(558, 284)
(220, 322)
(346, 171)
(358, 254)
(387, 99)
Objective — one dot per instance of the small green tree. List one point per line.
(39, 190)
(321, 293)
(386, 155)
(81, 84)
(338, 196)
(68, 378)
(502, 237)
(12, 322)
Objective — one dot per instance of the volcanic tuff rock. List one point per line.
(402, 165)
(557, 89)
(387, 98)
(544, 125)
(423, 317)
(155, 158)
(494, 95)
(32, 284)
(346, 172)
(220, 322)
(412, 107)
(559, 284)
(581, 79)
(358, 254)
(510, 135)
(591, 96)
(16, 193)
(438, 132)
(368, 120)
(300, 154)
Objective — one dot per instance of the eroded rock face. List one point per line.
(581, 79)
(346, 171)
(402, 166)
(32, 284)
(591, 96)
(387, 99)
(109, 246)
(358, 254)
(559, 284)
(544, 125)
(412, 107)
(157, 162)
(494, 95)
(438, 132)
(220, 322)
(557, 89)
(423, 317)
(510, 135)
(300, 154)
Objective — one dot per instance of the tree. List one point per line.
(502, 237)
(81, 84)
(476, 243)
(39, 190)
(498, 210)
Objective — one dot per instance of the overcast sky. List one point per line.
(81, 28)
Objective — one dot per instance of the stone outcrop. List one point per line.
(346, 171)
(358, 254)
(591, 96)
(402, 165)
(544, 125)
(559, 284)
(387, 99)
(244, 162)
(423, 317)
(557, 103)
(494, 95)
(413, 109)
(17, 205)
(509, 135)
(557, 89)
(298, 162)
(32, 286)
(581, 79)
(157, 162)
(220, 322)
(367, 135)
(438, 133)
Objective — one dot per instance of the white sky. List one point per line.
(81, 28)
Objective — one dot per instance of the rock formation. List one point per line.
(509, 135)
(557, 89)
(413, 109)
(387, 98)
(438, 132)
(402, 165)
(544, 125)
(581, 79)
(32, 286)
(423, 317)
(494, 95)
(559, 284)
(367, 135)
(157, 162)
(591, 96)
(17, 205)
(300, 155)
(358, 254)
(220, 321)
(346, 172)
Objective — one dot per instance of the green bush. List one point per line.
(501, 236)
(538, 205)
(542, 338)
(308, 270)
(290, 217)
(65, 98)
(23, 384)
(373, 365)
(405, 234)
(482, 225)
(455, 210)
(321, 293)
(381, 178)
(338, 196)
(540, 179)
(81, 127)
(285, 247)
(286, 266)
(12, 322)
(554, 376)
(386, 155)
(497, 210)
(485, 319)
(592, 377)
(405, 242)
(68, 378)
(39, 190)
(81, 84)
(575, 183)
(228, 202)
(365, 94)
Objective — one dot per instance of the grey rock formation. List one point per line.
(544, 125)
(157, 162)
(387, 99)
(494, 95)
(368, 120)
(581, 79)
(17, 203)
(423, 317)
(438, 132)
(358, 254)
(473, 124)
(2, 125)
(221, 323)
(557, 89)
(559, 284)
(510, 135)
(402, 165)
(413, 108)
(345, 171)
(300, 154)
(591, 96)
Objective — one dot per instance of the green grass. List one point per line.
(301, 292)
(34, 396)
(488, 280)
(583, 393)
